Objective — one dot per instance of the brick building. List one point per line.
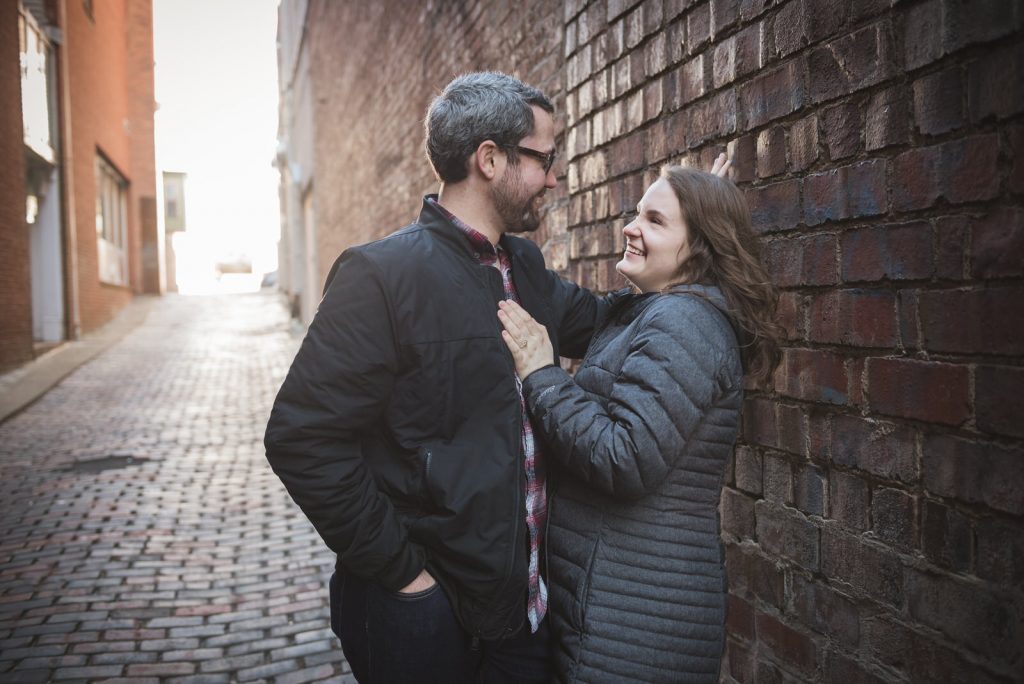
(80, 223)
(874, 515)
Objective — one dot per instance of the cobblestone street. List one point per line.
(144, 536)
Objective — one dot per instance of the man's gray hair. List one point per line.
(484, 105)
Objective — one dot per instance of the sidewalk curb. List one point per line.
(23, 386)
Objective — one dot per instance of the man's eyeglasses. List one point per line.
(545, 158)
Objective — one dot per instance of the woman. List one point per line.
(642, 436)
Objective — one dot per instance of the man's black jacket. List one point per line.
(398, 427)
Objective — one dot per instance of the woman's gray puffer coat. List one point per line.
(642, 436)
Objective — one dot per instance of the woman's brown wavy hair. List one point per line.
(725, 253)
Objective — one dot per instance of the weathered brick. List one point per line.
(803, 260)
(850, 63)
(894, 518)
(790, 645)
(880, 448)
(809, 490)
(997, 244)
(784, 532)
(965, 612)
(739, 618)
(848, 500)
(974, 472)
(945, 536)
(939, 101)
(987, 321)
(774, 207)
(951, 237)
(724, 15)
(771, 152)
(737, 514)
(1000, 552)
(751, 574)
(748, 469)
(748, 50)
(862, 318)
(826, 611)
(842, 126)
(698, 27)
(997, 409)
(896, 252)
(789, 29)
(866, 566)
(812, 375)
(802, 142)
(960, 171)
(886, 122)
(929, 391)
(824, 18)
(1016, 180)
(839, 668)
(922, 34)
(850, 191)
(773, 94)
(778, 480)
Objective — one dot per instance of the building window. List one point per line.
(111, 223)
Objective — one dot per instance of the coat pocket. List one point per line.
(582, 594)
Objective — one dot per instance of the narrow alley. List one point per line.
(142, 533)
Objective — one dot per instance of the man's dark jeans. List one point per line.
(391, 638)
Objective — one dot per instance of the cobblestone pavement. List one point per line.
(143, 536)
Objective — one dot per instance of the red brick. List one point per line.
(842, 126)
(939, 101)
(951, 233)
(986, 321)
(868, 567)
(773, 94)
(861, 318)
(803, 260)
(909, 319)
(887, 120)
(945, 536)
(826, 611)
(851, 63)
(924, 390)
(723, 63)
(839, 668)
(738, 659)
(774, 207)
(792, 429)
(998, 406)
(966, 613)
(883, 449)
(960, 171)
(784, 532)
(812, 375)
(975, 22)
(690, 81)
(771, 152)
(791, 646)
(789, 316)
(739, 617)
(997, 244)
(975, 472)
(713, 118)
(896, 252)
(846, 192)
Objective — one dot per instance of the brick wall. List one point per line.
(15, 289)
(874, 515)
(108, 114)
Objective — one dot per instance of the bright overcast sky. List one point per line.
(216, 87)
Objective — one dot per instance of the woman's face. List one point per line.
(656, 240)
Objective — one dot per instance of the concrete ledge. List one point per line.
(21, 387)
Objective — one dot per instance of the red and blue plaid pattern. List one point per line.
(536, 495)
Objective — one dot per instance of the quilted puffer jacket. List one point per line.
(642, 435)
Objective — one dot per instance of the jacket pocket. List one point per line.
(582, 596)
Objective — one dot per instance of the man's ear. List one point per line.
(488, 160)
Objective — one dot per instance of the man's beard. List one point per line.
(517, 215)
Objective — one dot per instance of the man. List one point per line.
(400, 429)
